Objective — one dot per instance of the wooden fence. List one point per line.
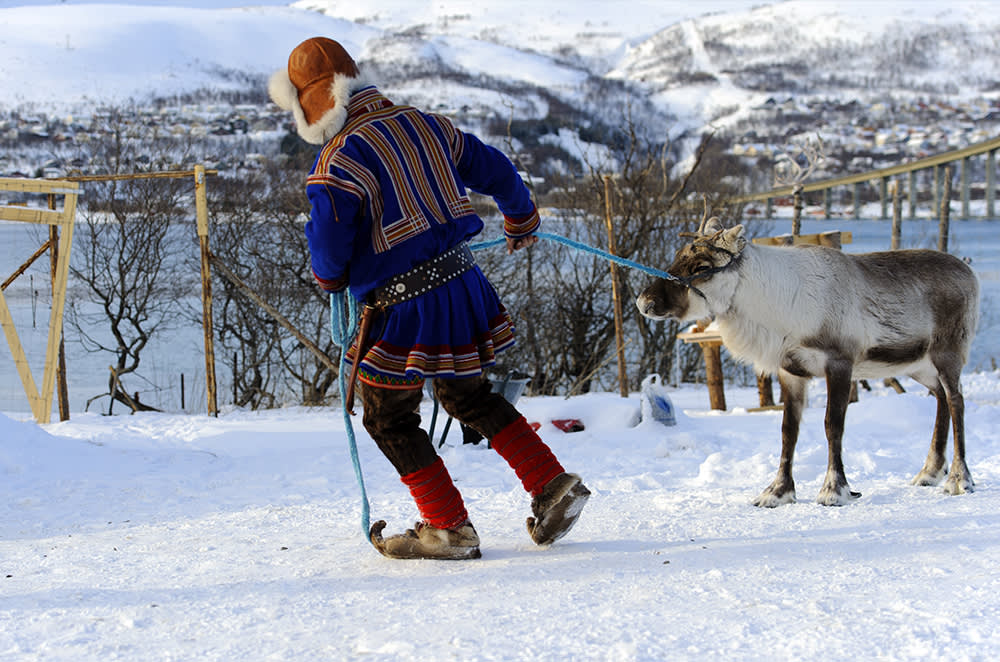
(58, 246)
(938, 163)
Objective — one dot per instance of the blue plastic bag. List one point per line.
(655, 403)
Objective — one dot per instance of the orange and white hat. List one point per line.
(316, 87)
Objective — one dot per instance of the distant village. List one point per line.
(235, 137)
(866, 136)
(50, 146)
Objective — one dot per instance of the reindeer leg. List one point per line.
(835, 490)
(933, 471)
(959, 478)
(782, 488)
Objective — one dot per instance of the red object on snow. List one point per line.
(535, 425)
(568, 424)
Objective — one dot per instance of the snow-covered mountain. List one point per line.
(760, 73)
(717, 65)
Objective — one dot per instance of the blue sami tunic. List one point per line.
(389, 192)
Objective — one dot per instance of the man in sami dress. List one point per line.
(390, 221)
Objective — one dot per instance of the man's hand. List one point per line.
(520, 242)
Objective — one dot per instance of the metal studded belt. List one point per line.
(425, 276)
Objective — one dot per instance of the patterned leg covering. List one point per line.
(438, 500)
(527, 455)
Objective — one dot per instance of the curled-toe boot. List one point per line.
(424, 541)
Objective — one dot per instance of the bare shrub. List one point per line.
(126, 255)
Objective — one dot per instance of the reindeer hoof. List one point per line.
(959, 479)
(774, 496)
(928, 477)
(959, 485)
(830, 496)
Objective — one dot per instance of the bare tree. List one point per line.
(258, 231)
(561, 297)
(126, 255)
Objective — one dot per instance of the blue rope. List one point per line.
(343, 326)
(572, 243)
(488, 244)
(606, 255)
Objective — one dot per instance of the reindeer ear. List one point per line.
(712, 226)
(733, 239)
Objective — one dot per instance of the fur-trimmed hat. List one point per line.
(316, 87)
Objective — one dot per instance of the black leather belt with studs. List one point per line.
(424, 277)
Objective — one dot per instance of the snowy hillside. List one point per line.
(809, 48)
(68, 56)
(703, 62)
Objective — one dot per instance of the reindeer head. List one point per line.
(703, 272)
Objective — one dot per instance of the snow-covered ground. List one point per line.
(184, 537)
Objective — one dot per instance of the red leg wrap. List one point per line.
(527, 455)
(438, 500)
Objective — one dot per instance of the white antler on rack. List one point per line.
(789, 172)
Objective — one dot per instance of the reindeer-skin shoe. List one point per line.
(424, 541)
(557, 508)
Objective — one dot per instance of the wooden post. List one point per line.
(765, 390)
(797, 205)
(945, 211)
(201, 208)
(713, 374)
(936, 189)
(857, 200)
(911, 192)
(897, 215)
(616, 299)
(991, 184)
(964, 177)
(62, 390)
(883, 194)
(711, 349)
(60, 279)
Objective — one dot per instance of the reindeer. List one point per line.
(812, 311)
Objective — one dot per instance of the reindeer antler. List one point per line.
(792, 172)
(700, 232)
